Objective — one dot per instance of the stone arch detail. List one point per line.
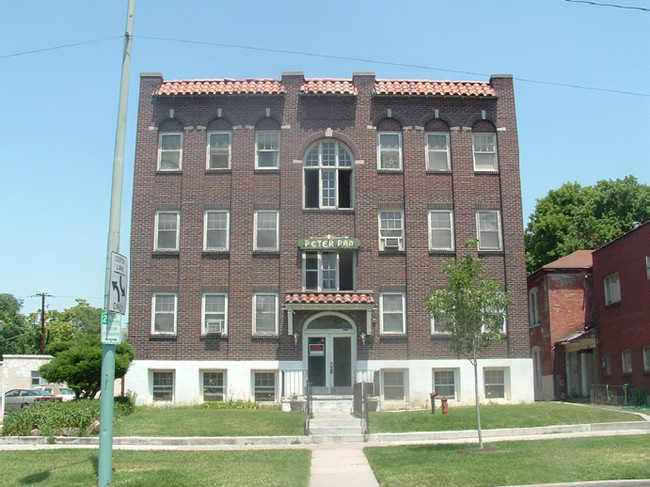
(312, 139)
(321, 314)
(165, 120)
(394, 115)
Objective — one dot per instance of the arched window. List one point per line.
(328, 176)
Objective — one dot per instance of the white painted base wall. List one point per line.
(518, 375)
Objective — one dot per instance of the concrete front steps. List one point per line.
(332, 421)
(331, 404)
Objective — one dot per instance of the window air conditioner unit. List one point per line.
(392, 242)
(214, 327)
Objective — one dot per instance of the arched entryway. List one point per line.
(329, 352)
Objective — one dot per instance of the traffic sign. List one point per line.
(119, 283)
(111, 328)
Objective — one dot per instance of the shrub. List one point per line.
(231, 405)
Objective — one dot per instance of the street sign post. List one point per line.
(111, 328)
(118, 284)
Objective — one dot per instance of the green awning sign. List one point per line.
(328, 243)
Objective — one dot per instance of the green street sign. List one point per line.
(111, 328)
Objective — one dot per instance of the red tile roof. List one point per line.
(329, 298)
(222, 87)
(432, 88)
(328, 87)
(578, 259)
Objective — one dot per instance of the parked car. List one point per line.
(65, 393)
(19, 398)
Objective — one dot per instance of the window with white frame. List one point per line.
(498, 317)
(444, 383)
(438, 326)
(646, 359)
(392, 313)
(265, 314)
(485, 151)
(167, 234)
(437, 154)
(37, 380)
(215, 313)
(394, 385)
(164, 313)
(267, 149)
(328, 176)
(267, 230)
(488, 229)
(162, 385)
(607, 364)
(219, 150)
(626, 361)
(389, 150)
(170, 151)
(213, 385)
(264, 386)
(495, 383)
(441, 230)
(537, 367)
(533, 307)
(328, 271)
(217, 230)
(391, 230)
(612, 288)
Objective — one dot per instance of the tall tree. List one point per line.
(18, 334)
(574, 217)
(472, 309)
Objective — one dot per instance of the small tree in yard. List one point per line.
(472, 309)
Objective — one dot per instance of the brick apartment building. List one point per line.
(287, 230)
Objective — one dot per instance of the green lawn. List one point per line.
(514, 463)
(72, 468)
(196, 421)
(495, 416)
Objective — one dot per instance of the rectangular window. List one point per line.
(170, 152)
(612, 288)
(219, 150)
(533, 307)
(485, 151)
(392, 313)
(437, 326)
(164, 314)
(391, 230)
(441, 230)
(389, 150)
(167, 234)
(498, 317)
(646, 359)
(495, 385)
(437, 154)
(328, 271)
(163, 385)
(394, 385)
(607, 364)
(267, 153)
(265, 314)
(488, 229)
(215, 314)
(264, 386)
(626, 361)
(214, 388)
(217, 230)
(267, 230)
(537, 367)
(444, 383)
(37, 380)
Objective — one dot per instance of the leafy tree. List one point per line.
(78, 362)
(75, 322)
(472, 309)
(574, 217)
(18, 335)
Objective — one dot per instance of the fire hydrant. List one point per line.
(443, 405)
(433, 402)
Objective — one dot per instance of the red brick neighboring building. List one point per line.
(289, 229)
(622, 295)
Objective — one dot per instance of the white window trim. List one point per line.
(320, 168)
(506, 383)
(399, 151)
(435, 331)
(608, 283)
(451, 229)
(626, 354)
(536, 355)
(405, 381)
(203, 385)
(277, 231)
(153, 314)
(382, 240)
(225, 313)
(456, 374)
(533, 307)
(428, 150)
(499, 231)
(275, 382)
(277, 315)
(381, 313)
(180, 152)
(151, 373)
(178, 232)
(205, 231)
(496, 152)
(208, 148)
(319, 270)
(504, 325)
(277, 151)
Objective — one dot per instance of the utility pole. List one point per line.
(43, 296)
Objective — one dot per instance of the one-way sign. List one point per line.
(119, 283)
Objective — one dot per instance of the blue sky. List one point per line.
(59, 106)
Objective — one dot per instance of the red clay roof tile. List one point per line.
(222, 87)
(394, 87)
(328, 87)
(329, 298)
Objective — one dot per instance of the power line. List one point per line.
(25, 53)
(613, 5)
